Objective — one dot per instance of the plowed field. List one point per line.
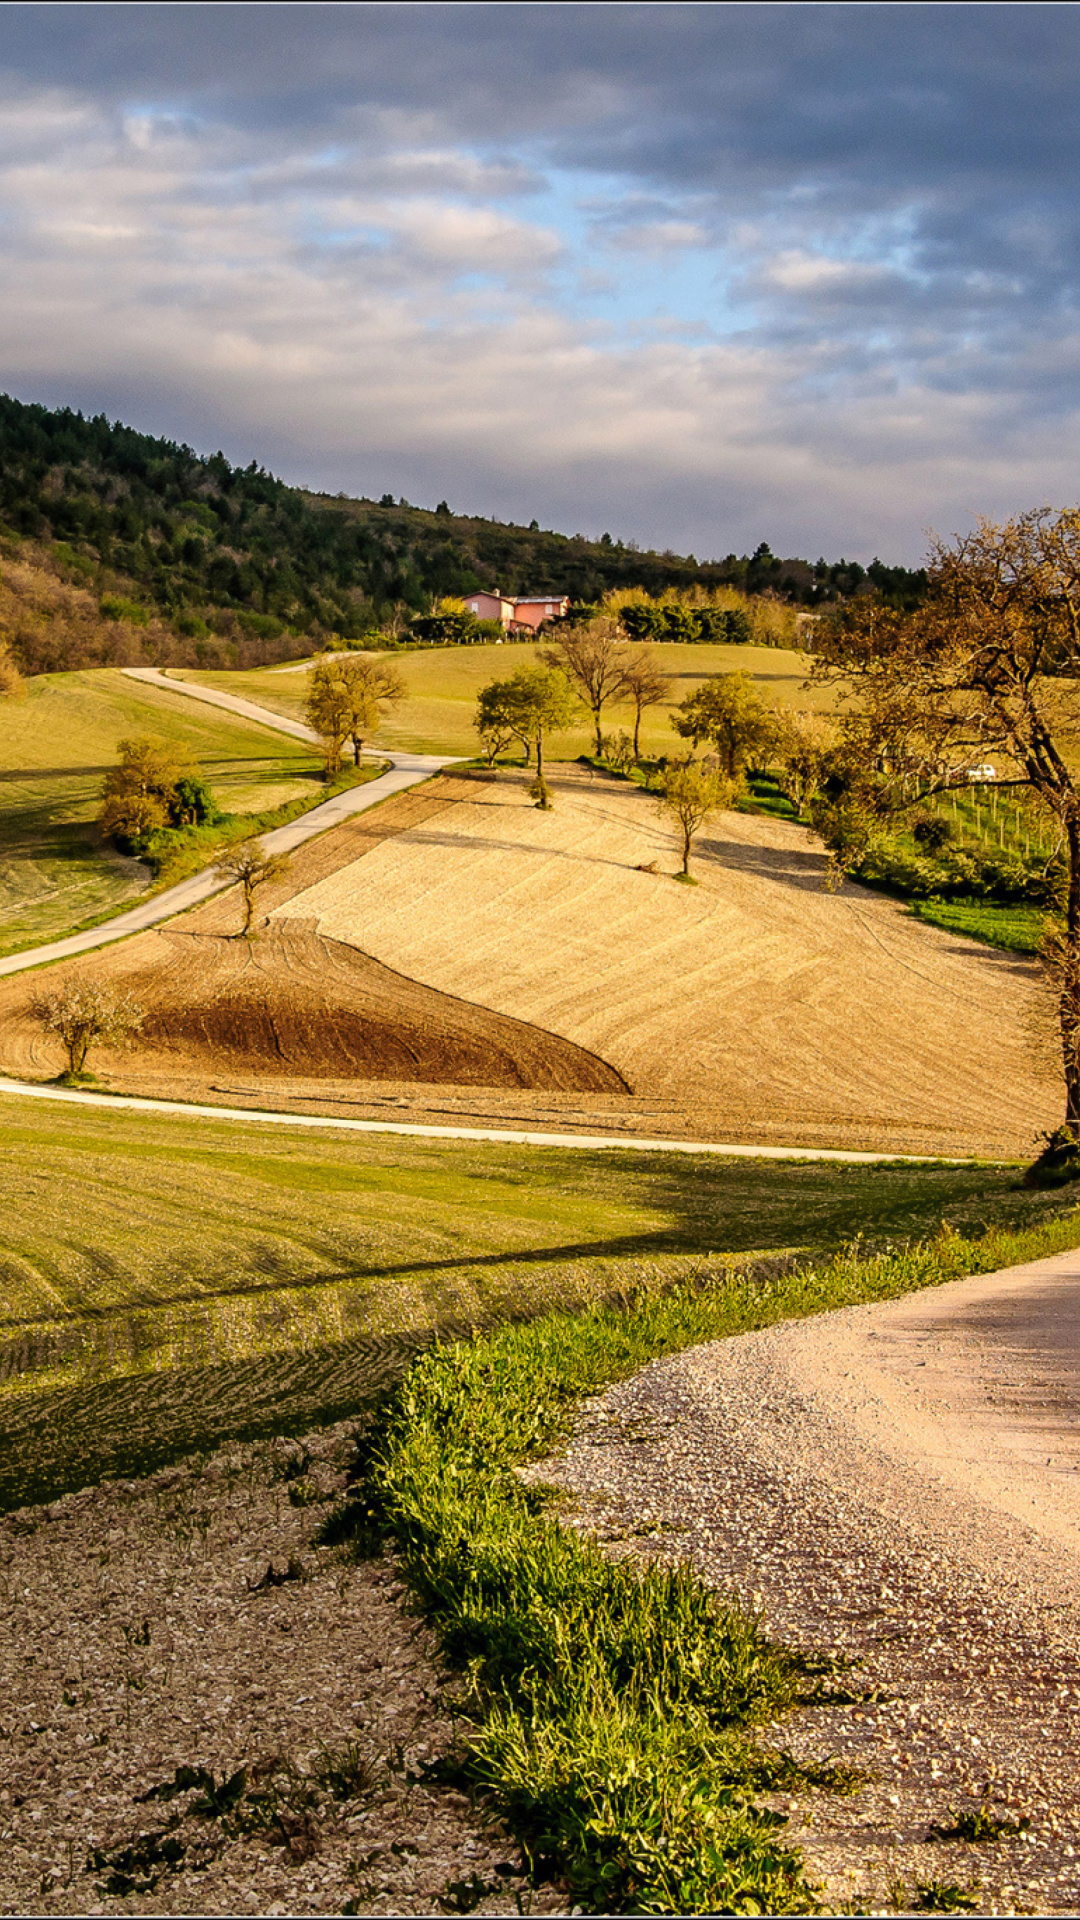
(295, 1005)
(752, 1001)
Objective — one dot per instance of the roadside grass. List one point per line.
(168, 1283)
(1016, 929)
(56, 746)
(443, 683)
(608, 1709)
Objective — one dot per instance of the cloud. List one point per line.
(728, 273)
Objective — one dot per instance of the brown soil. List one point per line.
(141, 1635)
(455, 957)
(293, 1004)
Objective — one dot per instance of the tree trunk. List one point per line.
(599, 735)
(358, 747)
(1069, 1006)
(686, 839)
(637, 730)
(539, 756)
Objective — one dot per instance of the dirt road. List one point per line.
(899, 1483)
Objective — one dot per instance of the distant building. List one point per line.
(509, 612)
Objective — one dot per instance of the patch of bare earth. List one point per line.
(897, 1485)
(142, 1636)
(292, 1004)
(755, 1004)
(457, 956)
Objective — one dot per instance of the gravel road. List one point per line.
(900, 1485)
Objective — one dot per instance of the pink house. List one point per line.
(517, 613)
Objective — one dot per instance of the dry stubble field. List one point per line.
(462, 954)
(755, 1003)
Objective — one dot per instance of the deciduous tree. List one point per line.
(251, 867)
(690, 795)
(500, 718)
(542, 702)
(730, 713)
(371, 686)
(153, 786)
(81, 1012)
(987, 669)
(592, 658)
(644, 684)
(328, 712)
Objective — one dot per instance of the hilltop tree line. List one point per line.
(160, 533)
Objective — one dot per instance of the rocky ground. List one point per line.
(188, 1621)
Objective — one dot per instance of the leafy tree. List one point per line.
(193, 804)
(251, 867)
(592, 658)
(81, 1012)
(543, 701)
(143, 793)
(986, 668)
(370, 686)
(644, 683)
(800, 749)
(728, 712)
(328, 711)
(501, 716)
(691, 794)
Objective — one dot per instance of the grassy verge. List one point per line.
(192, 849)
(169, 1282)
(1016, 929)
(56, 746)
(609, 1711)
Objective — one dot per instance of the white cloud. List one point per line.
(314, 306)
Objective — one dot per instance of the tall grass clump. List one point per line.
(609, 1709)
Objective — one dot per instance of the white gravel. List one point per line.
(899, 1485)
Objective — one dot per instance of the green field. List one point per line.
(168, 1281)
(443, 683)
(56, 746)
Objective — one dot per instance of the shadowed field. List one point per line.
(166, 1282)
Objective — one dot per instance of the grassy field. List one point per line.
(443, 684)
(56, 746)
(167, 1282)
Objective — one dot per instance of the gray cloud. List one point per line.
(697, 274)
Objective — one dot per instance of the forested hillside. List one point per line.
(118, 547)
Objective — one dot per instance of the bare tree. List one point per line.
(691, 795)
(80, 1012)
(644, 683)
(593, 658)
(989, 665)
(251, 867)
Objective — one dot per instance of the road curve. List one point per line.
(406, 770)
(591, 1142)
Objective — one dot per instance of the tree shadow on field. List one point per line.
(785, 866)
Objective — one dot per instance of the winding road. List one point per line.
(406, 770)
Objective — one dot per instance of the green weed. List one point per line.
(608, 1709)
(978, 1824)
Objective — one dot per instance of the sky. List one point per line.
(695, 275)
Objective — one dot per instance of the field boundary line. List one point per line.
(406, 770)
(592, 1142)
